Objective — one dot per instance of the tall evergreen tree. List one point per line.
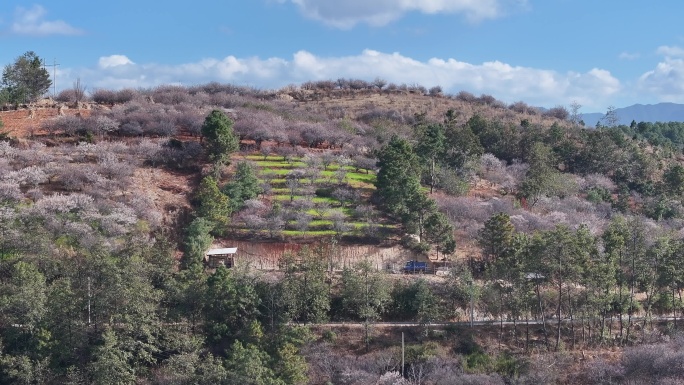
(221, 141)
(230, 305)
(198, 239)
(399, 177)
(25, 80)
(212, 204)
(496, 236)
(365, 293)
(243, 186)
(430, 149)
(305, 294)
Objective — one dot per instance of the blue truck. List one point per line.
(412, 267)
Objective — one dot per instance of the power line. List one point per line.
(54, 75)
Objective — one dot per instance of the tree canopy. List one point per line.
(221, 141)
(24, 81)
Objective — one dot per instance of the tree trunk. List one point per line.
(620, 298)
(543, 317)
(515, 332)
(501, 315)
(631, 300)
(679, 292)
(559, 313)
(572, 323)
(559, 308)
(432, 175)
(674, 308)
(527, 333)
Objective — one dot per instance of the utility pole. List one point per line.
(54, 75)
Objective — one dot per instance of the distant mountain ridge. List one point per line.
(661, 112)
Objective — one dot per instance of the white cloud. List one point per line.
(506, 82)
(113, 61)
(346, 14)
(670, 51)
(666, 81)
(629, 56)
(32, 22)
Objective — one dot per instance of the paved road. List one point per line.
(550, 322)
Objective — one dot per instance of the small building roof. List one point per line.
(227, 250)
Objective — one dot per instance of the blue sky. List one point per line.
(543, 52)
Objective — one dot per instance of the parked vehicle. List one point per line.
(415, 267)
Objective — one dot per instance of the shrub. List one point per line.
(435, 91)
(169, 94)
(68, 125)
(466, 97)
(162, 126)
(358, 84)
(558, 112)
(130, 129)
(191, 119)
(523, 108)
(102, 125)
(102, 96)
(67, 96)
(125, 95)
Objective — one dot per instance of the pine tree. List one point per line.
(221, 141)
(243, 186)
(212, 204)
(399, 177)
(26, 80)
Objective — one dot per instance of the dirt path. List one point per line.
(19, 123)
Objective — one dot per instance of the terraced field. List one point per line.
(305, 198)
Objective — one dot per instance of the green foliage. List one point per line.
(496, 236)
(221, 141)
(22, 369)
(478, 362)
(674, 179)
(329, 336)
(305, 295)
(462, 143)
(430, 149)
(22, 296)
(416, 301)
(560, 256)
(420, 353)
(26, 80)
(212, 204)
(291, 366)
(505, 364)
(452, 182)
(542, 178)
(509, 365)
(111, 363)
(243, 186)
(398, 178)
(440, 232)
(365, 294)
(598, 195)
(231, 305)
(198, 239)
(399, 192)
(249, 365)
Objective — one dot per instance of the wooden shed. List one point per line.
(221, 257)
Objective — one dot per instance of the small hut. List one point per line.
(221, 257)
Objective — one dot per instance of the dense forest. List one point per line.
(561, 238)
